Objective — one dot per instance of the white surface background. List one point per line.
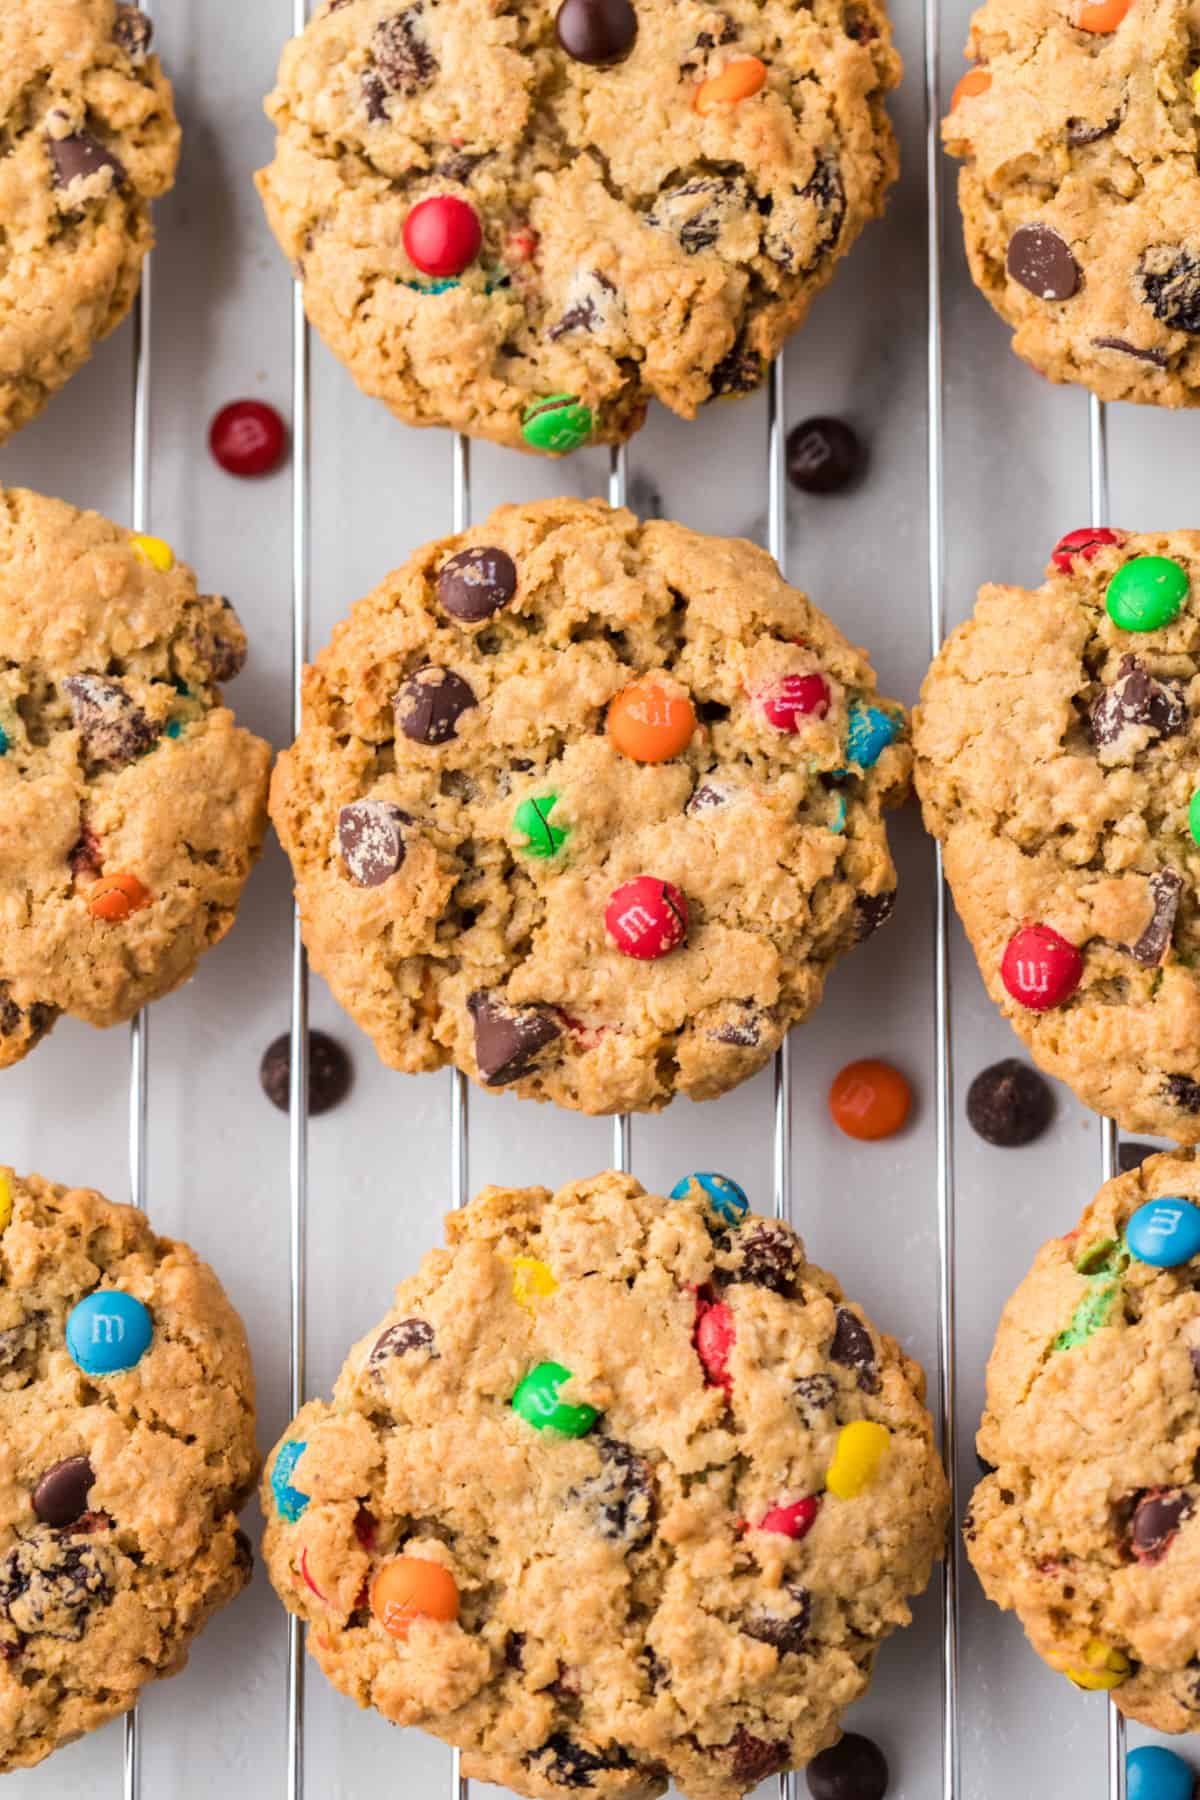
(1016, 479)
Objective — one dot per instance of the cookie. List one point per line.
(90, 139)
(1058, 753)
(126, 1453)
(619, 1493)
(526, 222)
(588, 807)
(1088, 1524)
(132, 808)
(1079, 189)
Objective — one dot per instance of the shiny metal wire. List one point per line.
(460, 1787)
(618, 486)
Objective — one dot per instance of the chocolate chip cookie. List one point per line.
(588, 807)
(127, 1434)
(1080, 191)
(1058, 761)
(90, 138)
(526, 221)
(621, 1492)
(132, 808)
(1088, 1523)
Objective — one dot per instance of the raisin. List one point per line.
(740, 371)
(753, 1758)
(853, 1348)
(1182, 1092)
(621, 1494)
(769, 1256)
(786, 1632)
(570, 1765)
(1169, 282)
(49, 1584)
(403, 60)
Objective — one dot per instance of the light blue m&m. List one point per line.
(1165, 1232)
(725, 1197)
(290, 1501)
(1152, 1773)
(868, 734)
(108, 1331)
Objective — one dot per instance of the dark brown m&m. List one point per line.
(854, 1768)
(596, 31)
(1041, 261)
(823, 456)
(61, 1496)
(430, 704)
(475, 583)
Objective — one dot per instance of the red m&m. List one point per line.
(1040, 968)
(789, 702)
(1087, 543)
(646, 918)
(794, 1521)
(716, 1335)
(247, 437)
(442, 235)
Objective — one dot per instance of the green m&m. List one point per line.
(558, 423)
(536, 1400)
(1146, 594)
(1194, 815)
(532, 819)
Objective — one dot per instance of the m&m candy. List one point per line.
(870, 732)
(716, 1335)
(650, 722)
(793, 1521)
(1165, 1233)
(869, 1099)
(6, 1202)
(154, 550)
(108, 1332)
(970, 85)
(736, 81)
(1100, 16)
(861, 1447)
(787, 704)
(558, 423)
(442, 235)
(290, 1501)
(409, 1588)
(1147, 593)
(247, 437)
(725, 1197)
(533, 1280)
(114, 898)
(1102, 1667)
(646, 918)
(532, 821)
(1040, 968)
(1153, 1773)
(536, 1401)
(1086, 542)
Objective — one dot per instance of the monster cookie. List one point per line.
(1080, 192)
(621, 1492)
(588, 807)
(1058, 761)
(524, 221)
(126, 1452)
(1088, 1523)
(89, 140)
(131, 806)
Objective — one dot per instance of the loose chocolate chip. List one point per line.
(827, 191)
(786, 1631)
(620, 1495)
(823, 456)
(49, 1583)
(769, 1256)
(1156, 1519)
(476, 583)
(853, 1349)
(873, 910)
(596, 31)
(753, 1758)
(1009, 1104)
(430, 704)
(1158, 357)
(61, 1495)
(81, 155)
(401, 54)
(1155, 941)
(1182, 1091)
(852, 1769)
(133, 32)
(508, 1038)
(1169, 282)
(371, 840)
(814, 1394)
(740, 371)
(571, 1765)
(1138, 698)
(400, 1340)
(114, 728)
(1131, 1156)
(1042, 262)
(330, 1072)
(698, 212)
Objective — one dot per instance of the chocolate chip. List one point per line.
(133, 32)
(823, 456)
(852, 1769)
(698, 212)
(61, 1495)
(476, 583)
(571, 1765)
(1009, 1104)
(330, 1072)
(1042, 262)
(873, 910)
(430, 704)
(596, 31)
(371, 840)
(1182, 1091)
(620, 1495)
(786, 1631)
(853, 1349)
(752, 1758)
(769, 1256)
(403, 60)
(80, 156)
(114, 728)
(739, 371)
(814, 1394)
(508, 1038)
(1137, 698)
(1131, 1156)
(1155, 941)
(1081, 131)
(49, 1584)
(1156, 1520)
(1158, 357)
(1168, 281)
(401, 1339)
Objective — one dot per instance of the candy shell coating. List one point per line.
(410, 1588)
(6, 1202)
(156, 551)
(869, 733)
(861, 1447)
(558, 423)
(725, 1197)
(108, 1332)
(1154, 1773)
(290, 1501)
(1165, 1232)
(536, 1400)
(533, 1280)
(1146, 593)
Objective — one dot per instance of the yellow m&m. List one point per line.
(861, 1447)
(6, 1204)
(532, 1281)
(156, 551)
(1104, 1667)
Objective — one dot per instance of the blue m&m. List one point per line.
(108, 1331)
(1165, 1233)
(869, 732)
(290, 1502)
(1152, 1773)
(725, 1197)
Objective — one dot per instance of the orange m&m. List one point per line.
(114, 897)
(736, 81)
(650, 722)
(1100, 16)
(869, 1099)
(409, 1588)
(975, 81)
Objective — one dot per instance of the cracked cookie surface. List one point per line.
(132, 807)
(1057, 756)
(489, 873)
(1080, 190)
(119, 1491)
(90, 138)
(671, 1592)
(630, 245)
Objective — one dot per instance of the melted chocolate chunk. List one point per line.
(853, 1349)
(1159, 358)
(114, 728)
(1137, 698)
(1156, 1521)
(371, 841)
(588, 309)
(786, 1631)
(620, 1495)
(753, 1758)
(508, 1038)
(79, 157)
(743, 1030)
(401, 1339)
(460, 165)
(769, 1256)
(1168, 279)
(60, 1497)
(1082, 131)
(1155, 941)
(49, 1583)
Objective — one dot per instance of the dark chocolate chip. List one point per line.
(571, 1765)
(1131, 1155)
(1169, 282)
(81, 155)
(739, 371)
(371, 840)
(1182, 1091)
(786, 1631)
(508, 1038)
(476, 583)
(620, 1495)
(814, 1394)
(114, 728)
(853, 1349)
(1042, 262)
(50, 1582)
(873, 910)
(1155, 941)
(752, 1758)
(1138, 698)
(374, 95)
(133, 32)
(61, 1495)
(404, 63)
(330, 1072)
(1158, 357)
(1156, 1520)
(852, 1769)
(596, 31)
(769, 1256)
(1009, 1104)
(430, 704)
(460, 165)
(401, 1339)
(823, 456)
